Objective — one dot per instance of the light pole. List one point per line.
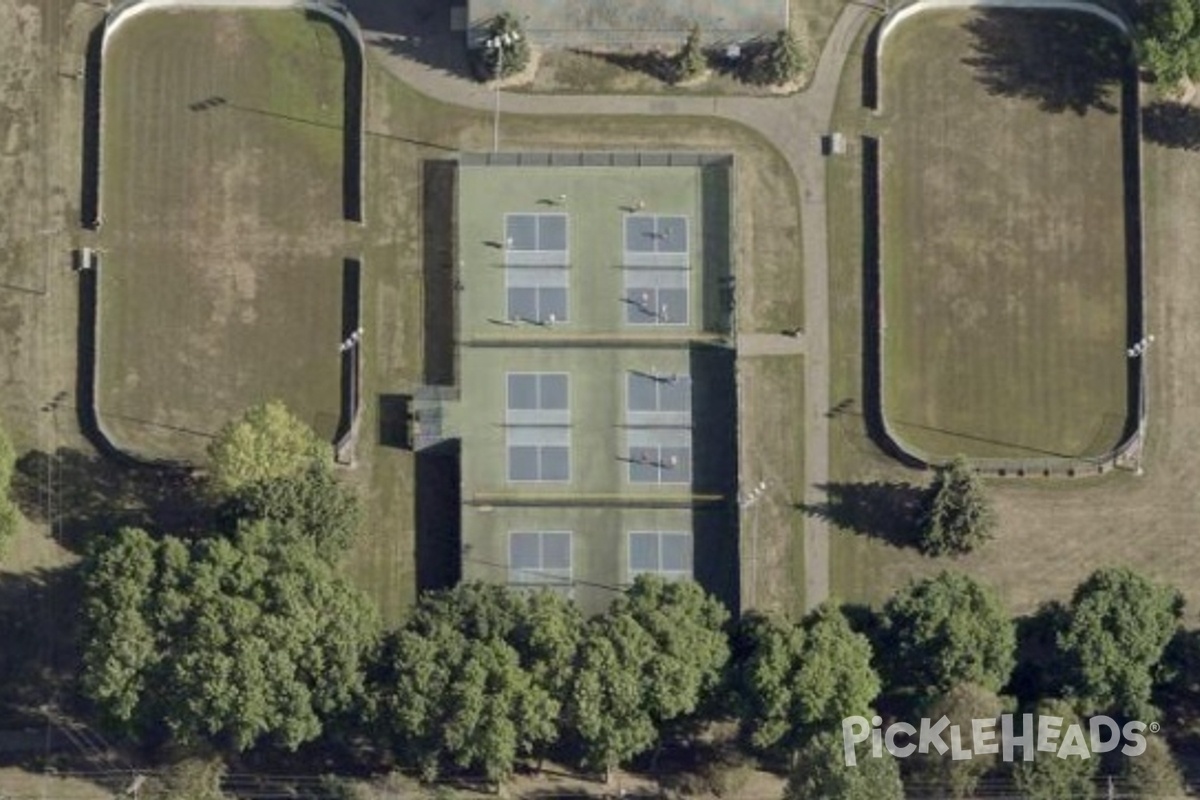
(498, 43)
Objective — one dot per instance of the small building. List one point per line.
(633, 24)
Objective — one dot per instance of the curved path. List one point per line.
(794, 126)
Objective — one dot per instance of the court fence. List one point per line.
(597, 158)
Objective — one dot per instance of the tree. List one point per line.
(821, 773)
(467, 681)
(466, 703)
(267, 443)
(190, 779)
(690, 62)
(769, 654)
(656, 656)
(1120, 626)
(947, 630)
(311, 504)
(1048, 777)
(505, 51)
(794, 679)
(547, 637)
(1154, 774)
(233, 641)
(1167, 40)
(692, 647)
(938, 775)
(960, 515)
(606, 708)
(783, 60)
(1178, 689)
(542, 627)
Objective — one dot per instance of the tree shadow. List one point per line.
(1039, 670)
(39, 625)
(1177, 693)
(41, 716)
(657, 64)
(1173, 125)
(887, 510)
(418, 30)
(1063, 61)
(80, 495)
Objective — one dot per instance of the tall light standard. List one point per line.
(498, 43)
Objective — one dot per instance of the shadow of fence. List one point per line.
(351, 361)
(440, 269)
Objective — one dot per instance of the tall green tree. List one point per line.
(606, 708)
(784, 60)
(1154, 775)
(453, 701)
(820, 772)
(656, 656)
(471, 681)
(960, 516)
(1120, 625)
(938, 775)
(506, 51)
(1048, 777)
(947, 630)
(233, 641)
(1167, 40)
(267, 443)
(767, 658)
(311, 504)
(692, 646)
(792, 680)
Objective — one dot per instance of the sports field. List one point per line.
(221, 197)
(1003, 242)
(1052, 533)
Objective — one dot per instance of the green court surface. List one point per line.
(671, 217)
(596, 400)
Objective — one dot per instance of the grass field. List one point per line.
(1051, 534)
(222, 201)
(1004, 259)
(771, 395)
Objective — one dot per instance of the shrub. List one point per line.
(509, 57)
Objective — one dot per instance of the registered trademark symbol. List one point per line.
(1155, 727)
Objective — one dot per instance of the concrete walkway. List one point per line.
(770, 344)
(794, 125)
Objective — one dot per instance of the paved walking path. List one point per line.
(770, 344)
(794, 125)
